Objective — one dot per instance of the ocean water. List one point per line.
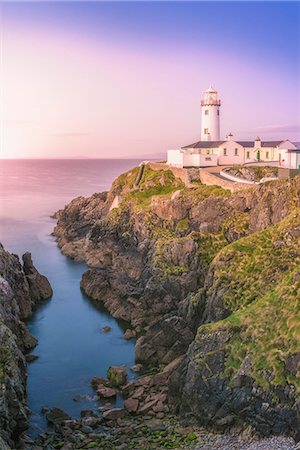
(71, 348)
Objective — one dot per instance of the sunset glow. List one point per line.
(121, 79)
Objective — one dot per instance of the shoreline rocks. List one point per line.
(159, 262)
(117, 375)
(21, 288)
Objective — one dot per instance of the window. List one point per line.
(248, 155)
(205, 130)
(236, 152)
(208, 151)
(267, 155)
(206, 112)
(207, 158)
(218, 112)
(225, 151)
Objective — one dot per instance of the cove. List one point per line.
(71, 347)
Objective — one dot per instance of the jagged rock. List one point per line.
(117, 375)
(153, 264)
(136, 368)
(39, 286)
(13, 413)
(56, 415)
(113, 414)
(17, 301)
(129, 334)
(164, 341)
(31, 358)
(145, 409)
(96, 381)
(106, 392)
(131, 404)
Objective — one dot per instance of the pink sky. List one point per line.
(67, 95)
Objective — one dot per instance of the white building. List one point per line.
(211, 151)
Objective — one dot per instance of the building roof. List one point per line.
(263, 143)
(204, 144)
(294, 150)
(214, 144)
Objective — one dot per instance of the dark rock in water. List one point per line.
(88, 413)
(44, 410)
(31, 358)
(106, 392)
(113, 414)
(81, 398)
(56, 415)
(117, 375)
(96, 381)
(136, 368)
(129, 334)
(39, 286)
(106, 329)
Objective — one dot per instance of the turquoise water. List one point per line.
(71, 348)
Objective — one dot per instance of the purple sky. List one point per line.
(117, 79)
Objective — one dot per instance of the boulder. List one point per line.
(131, 404)
(136, 368)
(117, 375)
(147, 407)
(56, 416)
(99, 380)
(106, 392)
(113, 414)
(31, 358)
(129, 334)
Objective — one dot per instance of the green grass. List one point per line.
(200, 192)
(251, 266)
(268, 330)
(259, 278)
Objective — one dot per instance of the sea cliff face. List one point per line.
(203, 273)
(21, 287)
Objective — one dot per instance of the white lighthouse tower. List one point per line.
(210, 115)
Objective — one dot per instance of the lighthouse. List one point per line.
(210, 115)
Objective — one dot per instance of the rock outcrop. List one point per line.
(20, 289)
(171, 260)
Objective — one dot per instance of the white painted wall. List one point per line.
(291, 161)
(211, 121)
(191, 160)
(231, 157)
(175, 158)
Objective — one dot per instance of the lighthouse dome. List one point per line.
(211, 89)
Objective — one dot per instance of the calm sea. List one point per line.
(71, 347)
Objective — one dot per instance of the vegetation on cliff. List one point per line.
(253, 173)
(258, 276)
(171, 259)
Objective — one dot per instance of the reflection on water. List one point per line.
(72, 348)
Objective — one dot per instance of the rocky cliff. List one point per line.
(204, 273)
(21, 287)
